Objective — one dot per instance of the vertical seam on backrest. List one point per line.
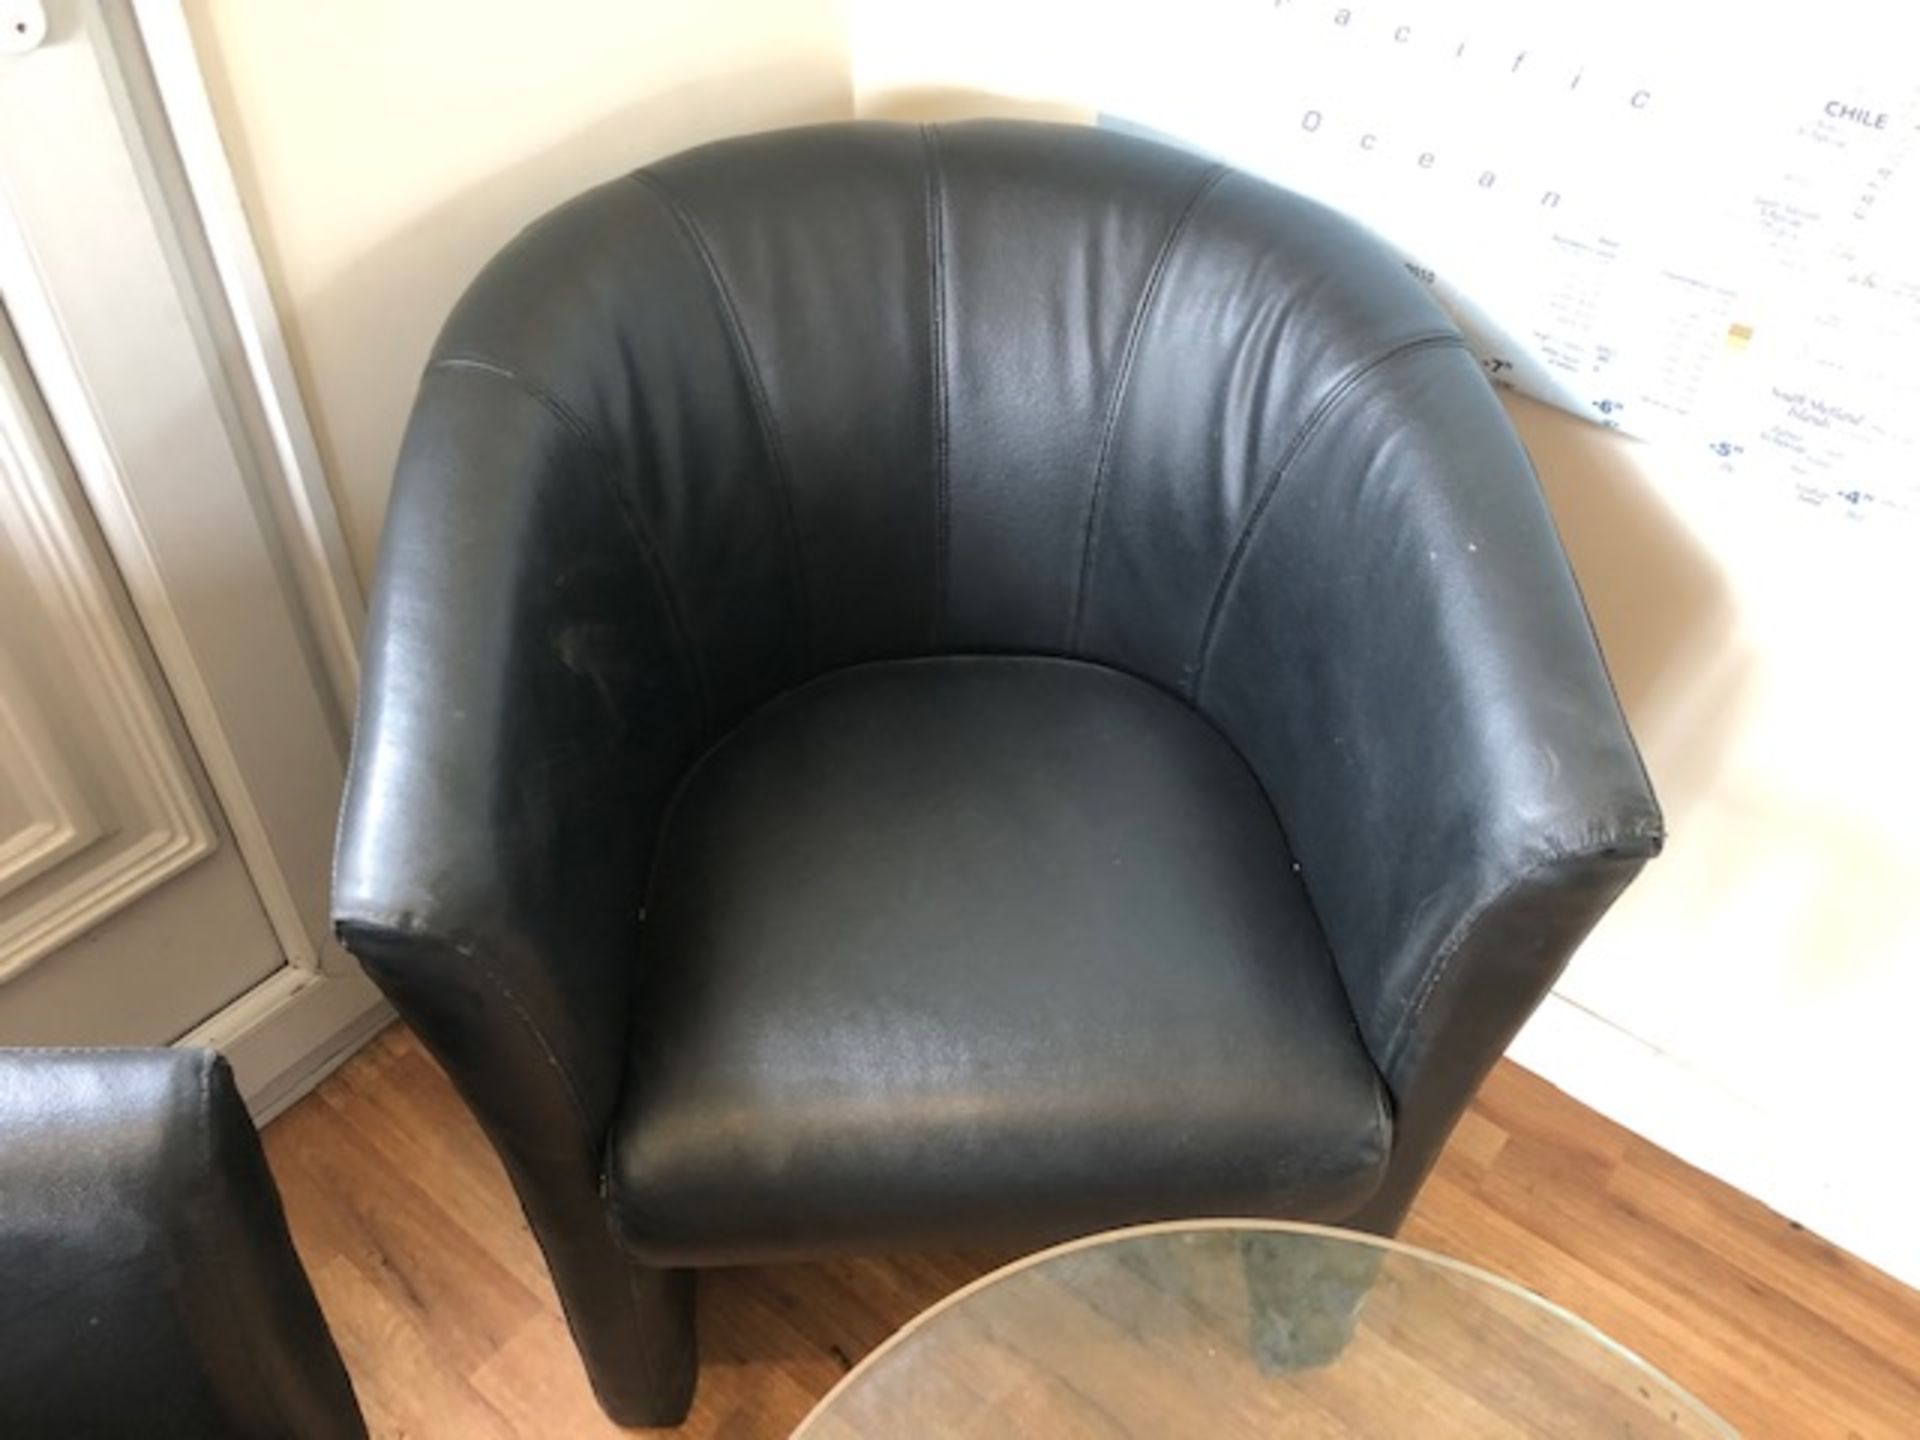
(749, 367)
(1323, 408)
(623, 506)
(1136, 326)
(936, 221)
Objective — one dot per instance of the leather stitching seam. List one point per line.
(1468, 923)
(645, 1350)
(636, 527)
(757, 391)
(406, 928)
(937, 346)
(471, 953)
(1136, 326)
(547, 400)
(1321, 412)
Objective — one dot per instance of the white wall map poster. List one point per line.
(1702, 227)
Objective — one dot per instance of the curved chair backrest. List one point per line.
(869, 391)
(866, 391)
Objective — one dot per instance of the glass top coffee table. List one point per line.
(1246, 1329)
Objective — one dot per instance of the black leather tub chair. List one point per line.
(966, 684)
(147, 1284)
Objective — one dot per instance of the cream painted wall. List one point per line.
(385, 150)
(1750, 1003)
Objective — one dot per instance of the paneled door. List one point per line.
(177, 616)
(126, 914)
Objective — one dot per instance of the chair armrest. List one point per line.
(527, 708)
(523, 719)
(1406, 662)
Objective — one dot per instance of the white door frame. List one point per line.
(141, 304)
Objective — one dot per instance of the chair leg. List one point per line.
(635, 1333)
(632, 1323)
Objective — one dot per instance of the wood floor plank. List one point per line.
(445, 1317)
(1765, 1353)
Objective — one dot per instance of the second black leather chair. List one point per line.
(148, 1286)
(987, 682)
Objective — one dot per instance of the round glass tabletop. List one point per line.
(1250, 1329)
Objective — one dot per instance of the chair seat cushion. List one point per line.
(979, 949)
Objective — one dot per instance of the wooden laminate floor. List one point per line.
(442, 1309)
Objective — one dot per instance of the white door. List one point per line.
(126, 915)
(177, 620)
